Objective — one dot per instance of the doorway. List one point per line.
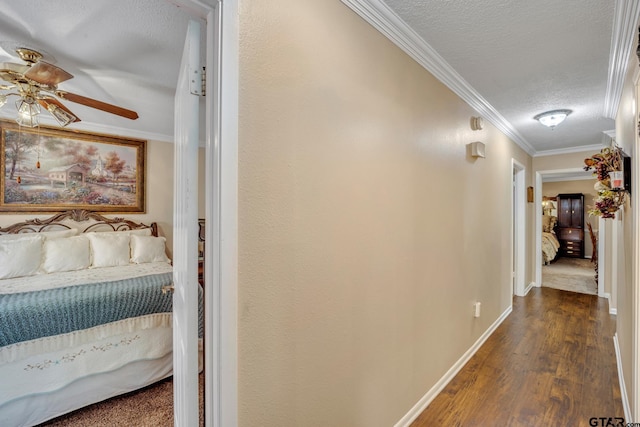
(550, 183)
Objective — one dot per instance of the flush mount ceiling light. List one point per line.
(552, 118)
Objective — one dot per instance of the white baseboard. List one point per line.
(623, 388)
(419, 407)
(612, 310)
(531, 285)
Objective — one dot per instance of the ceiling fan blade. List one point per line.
(47, 74)
(93, 103)
(62, 114)
(11, 72)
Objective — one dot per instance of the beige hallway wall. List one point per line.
(622, 267)
(366, 231)
(562, 161)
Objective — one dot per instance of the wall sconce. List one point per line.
(477, 149)
(477, 123)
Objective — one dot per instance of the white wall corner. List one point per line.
(422, 404)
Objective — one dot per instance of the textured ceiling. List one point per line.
(121, 52)
(526, 57)
(523, 57)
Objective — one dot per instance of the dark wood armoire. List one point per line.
(570, 228)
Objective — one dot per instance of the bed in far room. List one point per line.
(550, 243)
(83, 316)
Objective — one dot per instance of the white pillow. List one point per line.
(148, 249)
(109, 249)
(45, 234)
(59, 233)
(138, 232)
(66, 254)
(20, 257)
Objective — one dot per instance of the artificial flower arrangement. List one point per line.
(609, 200)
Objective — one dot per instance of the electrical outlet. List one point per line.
(476, 308)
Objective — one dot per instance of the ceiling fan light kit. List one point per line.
(28, 110)
(62, 116)
(552, 118)
(36, 85)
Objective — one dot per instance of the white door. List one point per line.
(185, 230)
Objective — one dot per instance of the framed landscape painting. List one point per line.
(52, 169)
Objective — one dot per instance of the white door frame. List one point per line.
(221, 268)
(635, 273)
(518, 218)
(602, 265)
(221, 208)
(537, 280)
(185, 220)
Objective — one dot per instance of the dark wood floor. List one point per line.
(551, 363)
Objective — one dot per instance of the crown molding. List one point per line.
(570, 150)
(576, 176)
(151, 136)
(99, 128)
(625, 19)
(383, 19)
(570, 174)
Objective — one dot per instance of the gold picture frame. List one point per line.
(46, 169)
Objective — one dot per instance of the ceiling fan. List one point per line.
(36, 85)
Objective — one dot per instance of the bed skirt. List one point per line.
(83, 367)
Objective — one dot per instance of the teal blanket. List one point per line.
(31, 315)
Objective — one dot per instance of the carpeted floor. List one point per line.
(149, 407)
(571, 274)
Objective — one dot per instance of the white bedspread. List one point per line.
(550, 246)
(80, 277)
(51, 363)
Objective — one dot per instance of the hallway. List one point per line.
(551, 363)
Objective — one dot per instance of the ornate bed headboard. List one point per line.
(80, 219)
